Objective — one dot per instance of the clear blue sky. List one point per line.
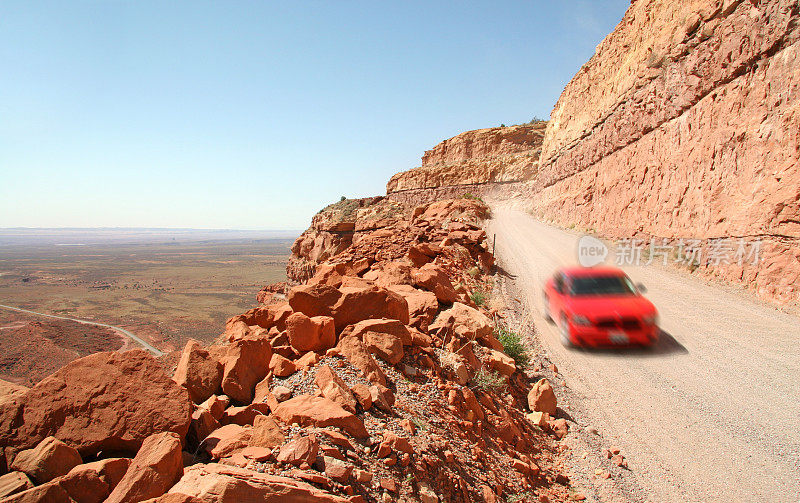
(254, 115)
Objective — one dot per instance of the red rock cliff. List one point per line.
(686, 123)
(472, 162)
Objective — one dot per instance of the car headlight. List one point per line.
(580, 320)
(651, 320)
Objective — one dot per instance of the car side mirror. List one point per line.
(641, 287)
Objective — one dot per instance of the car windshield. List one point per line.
(601, 285)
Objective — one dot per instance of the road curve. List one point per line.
(712, 413)
(156, 352)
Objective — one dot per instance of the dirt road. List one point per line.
(156, 352)
(712, 413)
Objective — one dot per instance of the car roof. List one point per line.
(578, 272)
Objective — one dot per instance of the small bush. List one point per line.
(470, 195)
(479, 297)
(488, 380)
(342, 199)
(513, 346)
(474, 271)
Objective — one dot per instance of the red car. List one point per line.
(599, 306)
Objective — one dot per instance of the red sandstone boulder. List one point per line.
(358, 304)
(357, 354)
(387, 346)
(299, 451)
(156, 467)
(308, 410)
(246, 363)
(216, 483)
(310, 334)
(244, 415)
(363, 395)
(266, 433)
(48, 460)
(216, 404)
(83, 486)
(198, 372)
(203, 423)
(422, 305)
(227, 440)
(13, 483)
(106, 401)
(110, 470)
(464, 321)
(502, 363)
(393, 443)
(542, 398)
(433, 278)
(282, 366)
(9, 391)
(313, 300)
(334, 388)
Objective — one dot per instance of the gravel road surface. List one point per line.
(712, 413)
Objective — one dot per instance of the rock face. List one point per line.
(156, 467)
(198, 371)
(48, 460)
(215, 483)
(106, 401)
(475, 158)
(684, 124)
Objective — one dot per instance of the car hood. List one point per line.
(628, 305)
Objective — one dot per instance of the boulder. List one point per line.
(46, 493)
(246, 363)
(156, 468)
(313, 300)
(110, 470)
(266, 433)
(502, 363)
(281, 366)
(308, 410)
(227, 440)
(13, 483)
(300, 450)
(422, 305)
(310, 333)
(216, 405)
(334, 388)
(363, 395)
(392, 443)
(174, 498)
(359, 357)
(542, 398)
(433, 278)
(203, 423)
(382, 326)
(216, 483)
(244, 415)
(463, 321)
(362, 303)
(10, 390)
(107, 401)
(84, 486)
(198, 372)
(51, 458)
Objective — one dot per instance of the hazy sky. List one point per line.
(254, 115)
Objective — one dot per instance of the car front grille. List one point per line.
(623, 323)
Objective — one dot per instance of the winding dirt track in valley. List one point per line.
(712, 413)
(156, 352)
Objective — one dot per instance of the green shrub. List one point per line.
(513, 346)
(474, 271)
(469, 195)
(479, 297)
(488, 380)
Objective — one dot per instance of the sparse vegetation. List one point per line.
(513, 346)
(488, 380)
(479, 297)
(421, 424)
(469, 195)
(474, 272)
(520, 497)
